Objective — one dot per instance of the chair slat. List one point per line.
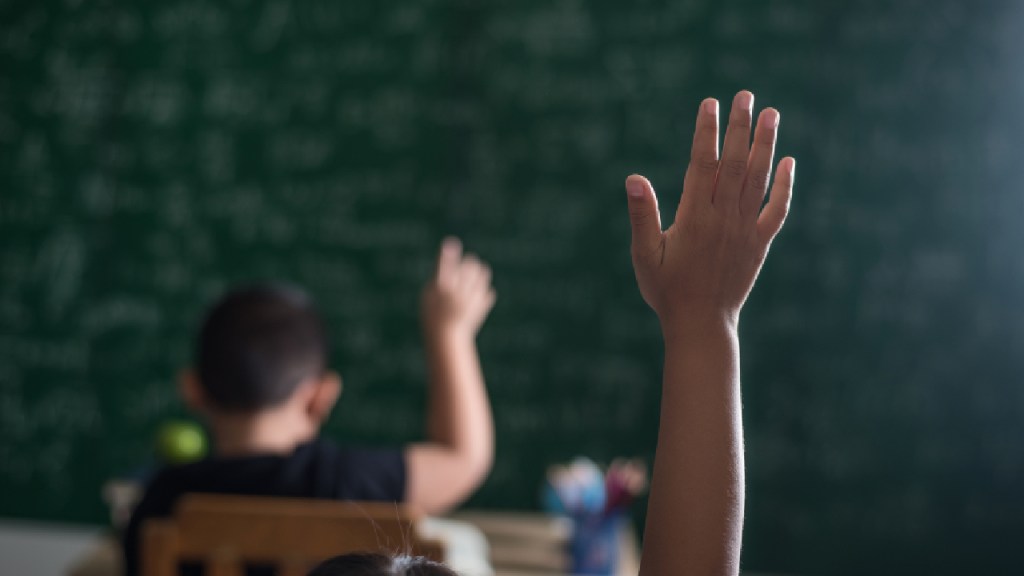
(224, 562)
(294, 568)
(159, 548)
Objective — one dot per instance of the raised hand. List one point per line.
(459, 296)
(708, 259)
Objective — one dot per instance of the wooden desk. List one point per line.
(534, 544)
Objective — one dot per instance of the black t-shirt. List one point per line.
(318, 469)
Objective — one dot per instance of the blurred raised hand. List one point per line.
(459, 296)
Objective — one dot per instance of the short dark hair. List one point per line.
(370, 564)
(257, 344)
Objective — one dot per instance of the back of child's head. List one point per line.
(369, 564)
(257, 345)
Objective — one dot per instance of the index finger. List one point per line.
(699, 183)
(448, 259)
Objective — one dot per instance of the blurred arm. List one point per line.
(460, 449)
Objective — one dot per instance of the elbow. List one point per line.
(478, 467)
(442, 479)
(475, 460)
(475, 467)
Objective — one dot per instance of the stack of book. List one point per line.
(523, 544)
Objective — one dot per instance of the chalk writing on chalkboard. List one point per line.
(154, 155)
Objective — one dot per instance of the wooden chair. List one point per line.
(227, 532)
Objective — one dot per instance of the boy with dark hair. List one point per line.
(262, 385)
(257, 344)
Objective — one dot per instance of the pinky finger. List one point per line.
(774, 213)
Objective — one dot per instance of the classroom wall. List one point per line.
(152, 155)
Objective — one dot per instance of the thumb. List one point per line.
(644, 217)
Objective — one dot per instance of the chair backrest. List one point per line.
(227, 532)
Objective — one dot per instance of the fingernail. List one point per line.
(771, 118)
(745, 100)
(789, 165)
(634, 188)
(711, 106)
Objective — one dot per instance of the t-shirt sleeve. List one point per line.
(373, 474)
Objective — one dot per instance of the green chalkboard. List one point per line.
(153, 154)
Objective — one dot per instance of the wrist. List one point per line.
(697, 324)
(450, 332)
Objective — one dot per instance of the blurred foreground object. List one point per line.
(596, 503)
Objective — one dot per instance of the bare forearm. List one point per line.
(699, 463)
(459, 415)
